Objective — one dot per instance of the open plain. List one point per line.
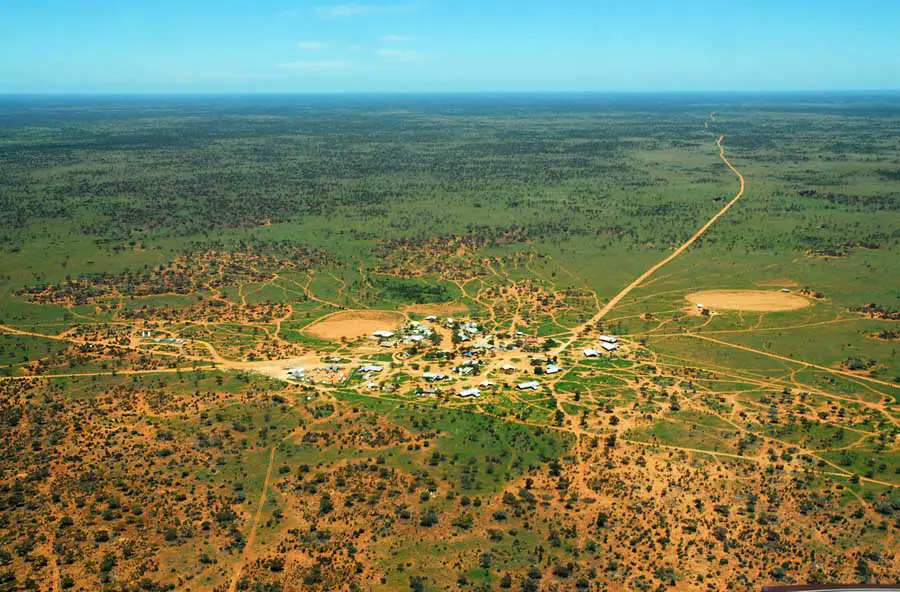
(543, 343)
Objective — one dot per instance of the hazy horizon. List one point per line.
(428, 46)
(611, 92)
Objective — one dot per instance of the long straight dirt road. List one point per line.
(625, 291)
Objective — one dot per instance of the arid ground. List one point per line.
(193, 397)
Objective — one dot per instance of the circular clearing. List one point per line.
(753, 300)
(353, 324)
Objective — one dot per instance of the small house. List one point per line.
(532, 385)
(383, 334)
(470, 392)
(591, 353)
(610, 346)
(609, 339)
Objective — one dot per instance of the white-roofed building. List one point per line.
(591, 353)
(298, 374)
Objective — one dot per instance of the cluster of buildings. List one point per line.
(332, 371)
(607, 343)
(472, 344)
(154, 335)
(411, 333)
(464, 330)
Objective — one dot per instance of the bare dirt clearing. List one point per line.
(277, 368)
(753, 300)
(353, 324)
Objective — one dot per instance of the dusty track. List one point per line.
(185, 370)
(793, 360)
(14, 331)
(252, 536)
(618, 297)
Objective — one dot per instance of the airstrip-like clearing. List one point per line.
(748, 300)
(353, 324)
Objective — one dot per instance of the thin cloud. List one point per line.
(314, 65)
(310, 45)
(394, 39)
(397, 54)
(344, 10)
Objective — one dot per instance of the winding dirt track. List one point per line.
(618, 297)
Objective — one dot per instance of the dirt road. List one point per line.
(232, 587)
(618, 297)
(794, 361)
(116, 373)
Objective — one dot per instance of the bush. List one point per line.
(429, 518)
(108, 562)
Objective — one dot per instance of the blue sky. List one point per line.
(165, 46)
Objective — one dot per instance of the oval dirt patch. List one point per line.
(353, 324)
(754, 300)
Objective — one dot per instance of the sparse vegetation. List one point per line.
(164, 265)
